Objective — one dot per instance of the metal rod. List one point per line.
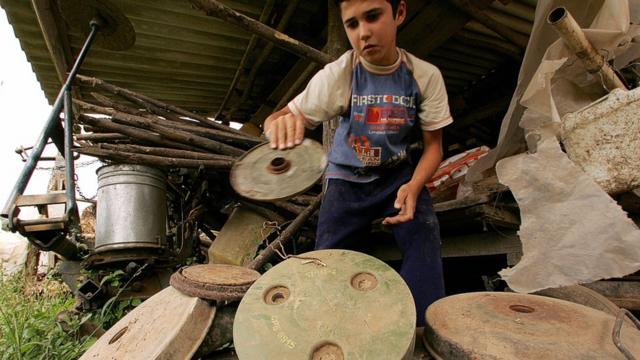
(51, 123)
(575, 39)
(69, 168)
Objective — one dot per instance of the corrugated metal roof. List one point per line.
(188, 59)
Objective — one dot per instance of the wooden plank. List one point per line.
(52, 28)
(41, 199)
(462, 203)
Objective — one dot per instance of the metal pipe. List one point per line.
(50, 125)
(575, 39)
(69, 168)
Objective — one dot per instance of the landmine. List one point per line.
(265, 174)
(176, 322)
(327, 304)
(501, 326)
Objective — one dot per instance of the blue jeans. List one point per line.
(347, 210)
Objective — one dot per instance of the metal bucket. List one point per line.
(132, 208)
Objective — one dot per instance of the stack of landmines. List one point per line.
(160, 135)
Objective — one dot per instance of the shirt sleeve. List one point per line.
(327, 93)
(434, 110)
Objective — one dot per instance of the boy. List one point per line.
(380, 92)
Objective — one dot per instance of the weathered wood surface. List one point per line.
(214, 8)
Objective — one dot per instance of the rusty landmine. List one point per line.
(214, 281)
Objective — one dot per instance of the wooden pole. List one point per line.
(491, 23)
(154, 160)
(266, 10)
(133, 132)
(183, 124)
(215, 8)
(164, 152)
(264, 55)
(118, 90)
(166, 131)
(285, 236)
(101, 137)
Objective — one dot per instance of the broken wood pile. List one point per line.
(159, 135)
(196, 152)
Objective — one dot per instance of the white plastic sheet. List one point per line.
(572, 231)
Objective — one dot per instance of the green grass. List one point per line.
(28, 329)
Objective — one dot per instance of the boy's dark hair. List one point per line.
(394, 5)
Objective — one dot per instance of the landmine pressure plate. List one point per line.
(169, 325)
(266, 174)
(327, 304)
(491, 325)
(218, 282)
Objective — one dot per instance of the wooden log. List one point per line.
(166, 131)
(486, 20)
(154, 160)
(285, 236)
(183, 124)
(118, 90)
(165, 152)
(266, 10)
(101, 137)
(133, 132)
(264, 55)
(215, 8)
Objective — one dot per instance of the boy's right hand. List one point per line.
(284, 129)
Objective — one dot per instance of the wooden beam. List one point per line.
(252, 43)
(54, 33)
(480, 16)
(215, 8)
(439, 19)
(264, 55)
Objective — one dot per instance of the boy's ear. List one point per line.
(401, 12)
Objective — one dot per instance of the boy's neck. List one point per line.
(383, 69)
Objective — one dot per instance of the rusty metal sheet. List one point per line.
(218, 282)
(266, 174)
(169, 325)
(116, 31)
(327, 304)
(497, 326)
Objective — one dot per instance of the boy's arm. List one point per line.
(427, 166)
(284, 129)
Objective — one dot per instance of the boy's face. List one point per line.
(371, 28)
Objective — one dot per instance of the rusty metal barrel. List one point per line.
(132, 208)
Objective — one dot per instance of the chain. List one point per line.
(76, 165)
(81, 195)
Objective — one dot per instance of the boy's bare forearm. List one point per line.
(430, 159)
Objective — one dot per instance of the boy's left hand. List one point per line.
(406, 202)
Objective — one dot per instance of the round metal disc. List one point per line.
(497, 326)
(169, 325)
(327, 304)
(214, 281)
(266, 174)
(116, 32)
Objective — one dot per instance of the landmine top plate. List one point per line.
(116, 32)
(266, 174)
(169, 325)
(214, 281)
(344, 305)
(487, 325)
